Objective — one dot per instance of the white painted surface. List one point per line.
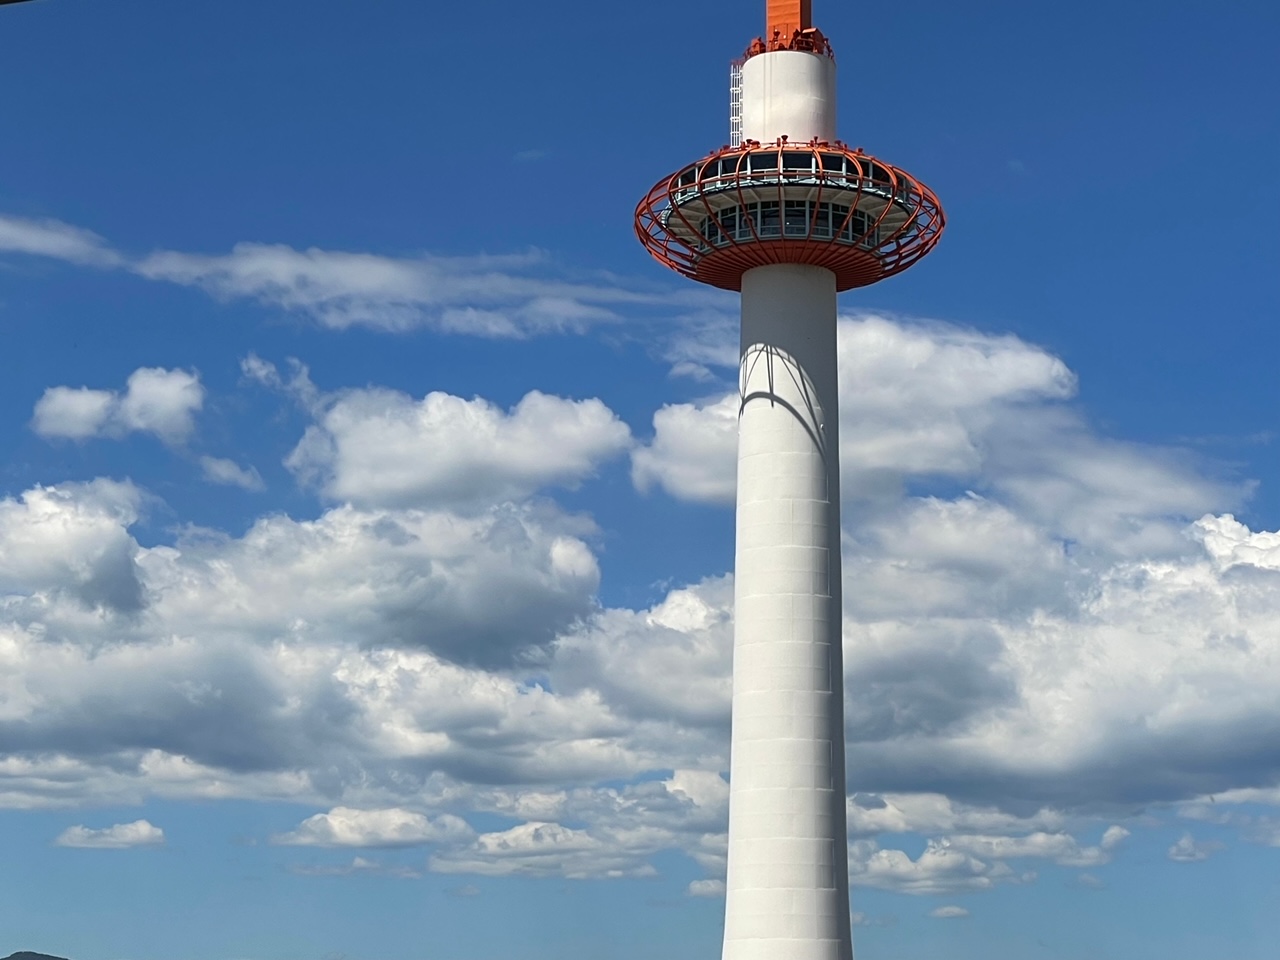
(787, 892)
(791, 93)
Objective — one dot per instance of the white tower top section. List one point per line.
(789, 93)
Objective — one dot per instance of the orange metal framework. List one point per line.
(721, 260)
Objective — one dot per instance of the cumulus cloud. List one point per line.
(914, 401)
(539, 850)
(1021, 664)
(1058, 688)
(140, 833)
(1189, 850)
(670, 661)
(935, 402)
(228, 473)
(622, 829)
(692, 452)
(949, 913)
(940, 869)
(480, 589)
(156, 401)
(384, 448)
(71, 541)
(394, 827)
(1011, 635)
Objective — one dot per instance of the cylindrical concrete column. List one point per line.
(789, 93)
(788, 884)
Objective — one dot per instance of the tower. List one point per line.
(788, 215)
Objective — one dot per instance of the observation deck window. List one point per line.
(764, 161)
(822, 221)
(797, 161)
(769, 223)
(798, 219)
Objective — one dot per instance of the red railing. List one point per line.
(673, 220)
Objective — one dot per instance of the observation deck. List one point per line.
(818, 203)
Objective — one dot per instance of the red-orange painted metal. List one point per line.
(789, 26)
(908, 212)
(808, 40)
(787, 16)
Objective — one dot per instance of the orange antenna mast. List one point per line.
(787, 17)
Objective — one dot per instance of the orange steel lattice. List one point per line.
(817, 203)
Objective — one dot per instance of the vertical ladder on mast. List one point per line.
(735, 103)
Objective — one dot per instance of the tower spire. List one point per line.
(787, 17)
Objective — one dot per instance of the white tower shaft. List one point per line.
(787, 892)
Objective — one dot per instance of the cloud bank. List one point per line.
(1046, 631)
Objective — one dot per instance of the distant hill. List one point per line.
(28, 955)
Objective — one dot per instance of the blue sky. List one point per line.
(364, 489)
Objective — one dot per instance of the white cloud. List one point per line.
(229, 473)
(706, 888)
(1012, 635)
(703, 342)
(940, 869)
(621, 830)
(359, 866)
(140, 833)
(935, 402)
(71, 541)
(394, 827)
(511, 296)
(74, 413)
(693, 451)
(539, 850)
(1059, 847)
(52, 238)
(949, 913)
(1019, 662)
(384, 448)
(1189, 850)
(935, 813)
(502, 296)
(671, 661)
(157, 401)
